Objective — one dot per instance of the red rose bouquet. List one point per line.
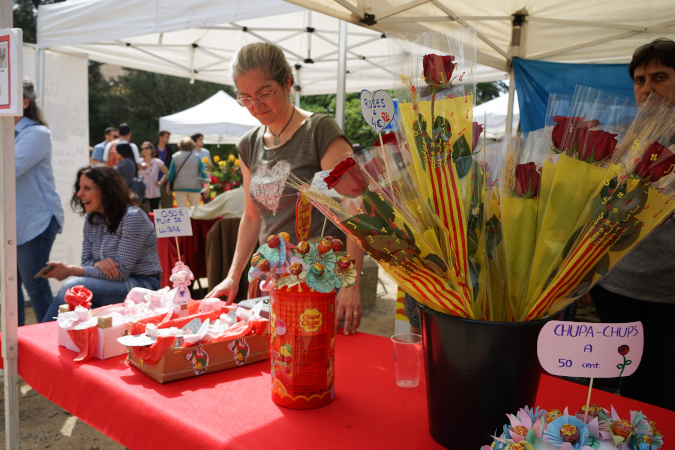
(480, 235)
(223, 174)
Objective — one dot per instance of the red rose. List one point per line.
(475, 135)
(623, 349)
(78, 296)
(596, 144)
(564, 130)
(389, 138)
(656, 163)
(347, 179)
(438, 69)
(527, 180)
(215, 180)
(227, 186)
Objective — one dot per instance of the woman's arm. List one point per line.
(348, 300)
(33, 145)
(247, 239)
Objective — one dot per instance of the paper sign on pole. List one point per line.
(173, 222)
(11, 85)
(378, 109)
(590, 350)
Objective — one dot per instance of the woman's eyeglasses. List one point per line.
(147, 148)
(660, 46)
(248, 101)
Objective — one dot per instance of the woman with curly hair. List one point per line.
(119, 251)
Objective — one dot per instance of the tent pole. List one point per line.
(41, 77)
(8, 267)
(342, 76)
(516, 49)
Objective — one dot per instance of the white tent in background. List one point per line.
(219, 118)
(492, 115)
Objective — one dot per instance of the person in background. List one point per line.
(99, 149)
(109, 154)
(125, 163)
(119, 250)
(186, 173)
(198, 139)
(39, 210)
(205, 156)
(152, 168)
(289, 141)
(641, 287)
(164, 153)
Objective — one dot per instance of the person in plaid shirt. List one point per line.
(119, 251)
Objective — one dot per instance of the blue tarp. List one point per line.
(535, 80)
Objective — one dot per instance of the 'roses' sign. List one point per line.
(377, 109)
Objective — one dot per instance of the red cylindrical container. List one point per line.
(302, 347)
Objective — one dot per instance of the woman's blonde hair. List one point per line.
(186, 144)
(262, 55)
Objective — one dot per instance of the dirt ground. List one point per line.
(42, 424)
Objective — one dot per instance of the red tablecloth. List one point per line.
(192, 250)
(233, 408)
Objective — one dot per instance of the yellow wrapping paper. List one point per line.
(519, 224)
(573, 183)
(547, 172)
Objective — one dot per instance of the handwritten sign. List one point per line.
(377, 109)
(590, 350)
(173, 222)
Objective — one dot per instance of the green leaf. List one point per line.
(493, 235)
(461, 155)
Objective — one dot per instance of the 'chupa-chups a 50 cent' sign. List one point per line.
(590, 350)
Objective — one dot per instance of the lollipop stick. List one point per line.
(325, 219)
(177, 247)
(588, 399)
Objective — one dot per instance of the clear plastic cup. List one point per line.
(407, 359)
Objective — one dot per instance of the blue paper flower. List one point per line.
(552, 433)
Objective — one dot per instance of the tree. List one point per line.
(487, 91)
(140, 99)
(25, 17)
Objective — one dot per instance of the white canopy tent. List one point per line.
(493, 114)
(571, 31)
(197, 39)
(219, 118)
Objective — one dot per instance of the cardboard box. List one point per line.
(183, 362)
(107, 345)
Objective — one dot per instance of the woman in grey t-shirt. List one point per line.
(289, 141)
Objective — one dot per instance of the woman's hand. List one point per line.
(60, 271)
(348, 305)
(109, 267)
(229, 287)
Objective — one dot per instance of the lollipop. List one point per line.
(317, 269)
(273, 241)
(336, 245)
(285, 236)
(303, 247)
(344, 262)
(263, 265)
(295, 268)
(324, 246)
(257, 256)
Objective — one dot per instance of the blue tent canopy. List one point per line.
(535, 80)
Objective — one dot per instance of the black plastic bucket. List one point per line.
(476, 373)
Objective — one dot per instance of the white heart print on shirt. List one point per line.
(268, 183)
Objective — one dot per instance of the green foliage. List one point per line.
(356, 128)
(25, 17)
(140, 99)
(487, 91)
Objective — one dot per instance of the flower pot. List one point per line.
(476, 372)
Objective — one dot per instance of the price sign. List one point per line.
(172, 222)
(377, 109)
(590, 350)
